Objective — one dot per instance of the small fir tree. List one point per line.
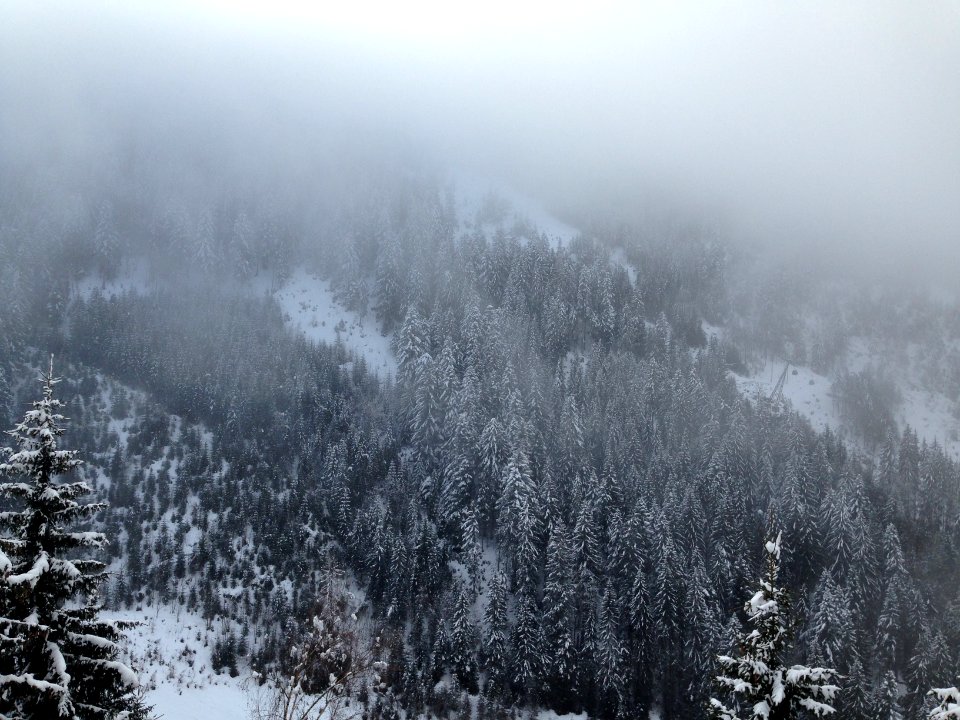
(886, 700)
(496, 652)
(761, 686)
(463, 641)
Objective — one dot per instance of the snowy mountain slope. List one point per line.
(171, 651)
(931, 416)
(496, 203)
(807, 391)
(308, 304)
(927, 412)
(170, 648)
(309, 307)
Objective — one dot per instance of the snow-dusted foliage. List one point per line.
(57, 659)
(949, 707)
(324, 660)
(761, 686)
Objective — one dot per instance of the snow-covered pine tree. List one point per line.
(558, 616)
(832, 624)
(761, 686)
(527, 647)
(930, 661)
(57, 658)
(886, 698)
(463, 641)
(702, 628)
(855, 701)
(495, 651)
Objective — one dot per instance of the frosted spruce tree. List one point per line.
(58, 660)
(761, 687)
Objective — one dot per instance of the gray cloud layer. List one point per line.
(820, 124)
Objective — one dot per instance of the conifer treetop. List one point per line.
(762, 688)
(36, 437)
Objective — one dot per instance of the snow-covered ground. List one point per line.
(473, 192)
(552, 715)
(807, 391)
(309, 307)
(928, 413)
(170, 651)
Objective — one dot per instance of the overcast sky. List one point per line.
(833, 124)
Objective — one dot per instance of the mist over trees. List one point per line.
(561, 496)
(559, 499)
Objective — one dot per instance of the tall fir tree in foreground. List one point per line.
(761, 687)
(58, 660)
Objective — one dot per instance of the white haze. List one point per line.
(821, 125)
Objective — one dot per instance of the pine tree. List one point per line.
(886, 700)
(832, 625)
(463, 641)
(411, 344)
(761, 686)
(205, 251)
(6, 397)
(892, 626)
(106, 243)
(666, 600)
(427, 425)
(799, 509)
(855, 700)
(527, 647)
(611, 654)
(558, 616)
(642, 632)
(929, 662)
(495, 649)
(57, 658)
(701, 628)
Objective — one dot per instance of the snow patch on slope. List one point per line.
(930, 415)
(309, 306)
(807, 391)
(553, 715)
(619, 258)
(171, 652)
